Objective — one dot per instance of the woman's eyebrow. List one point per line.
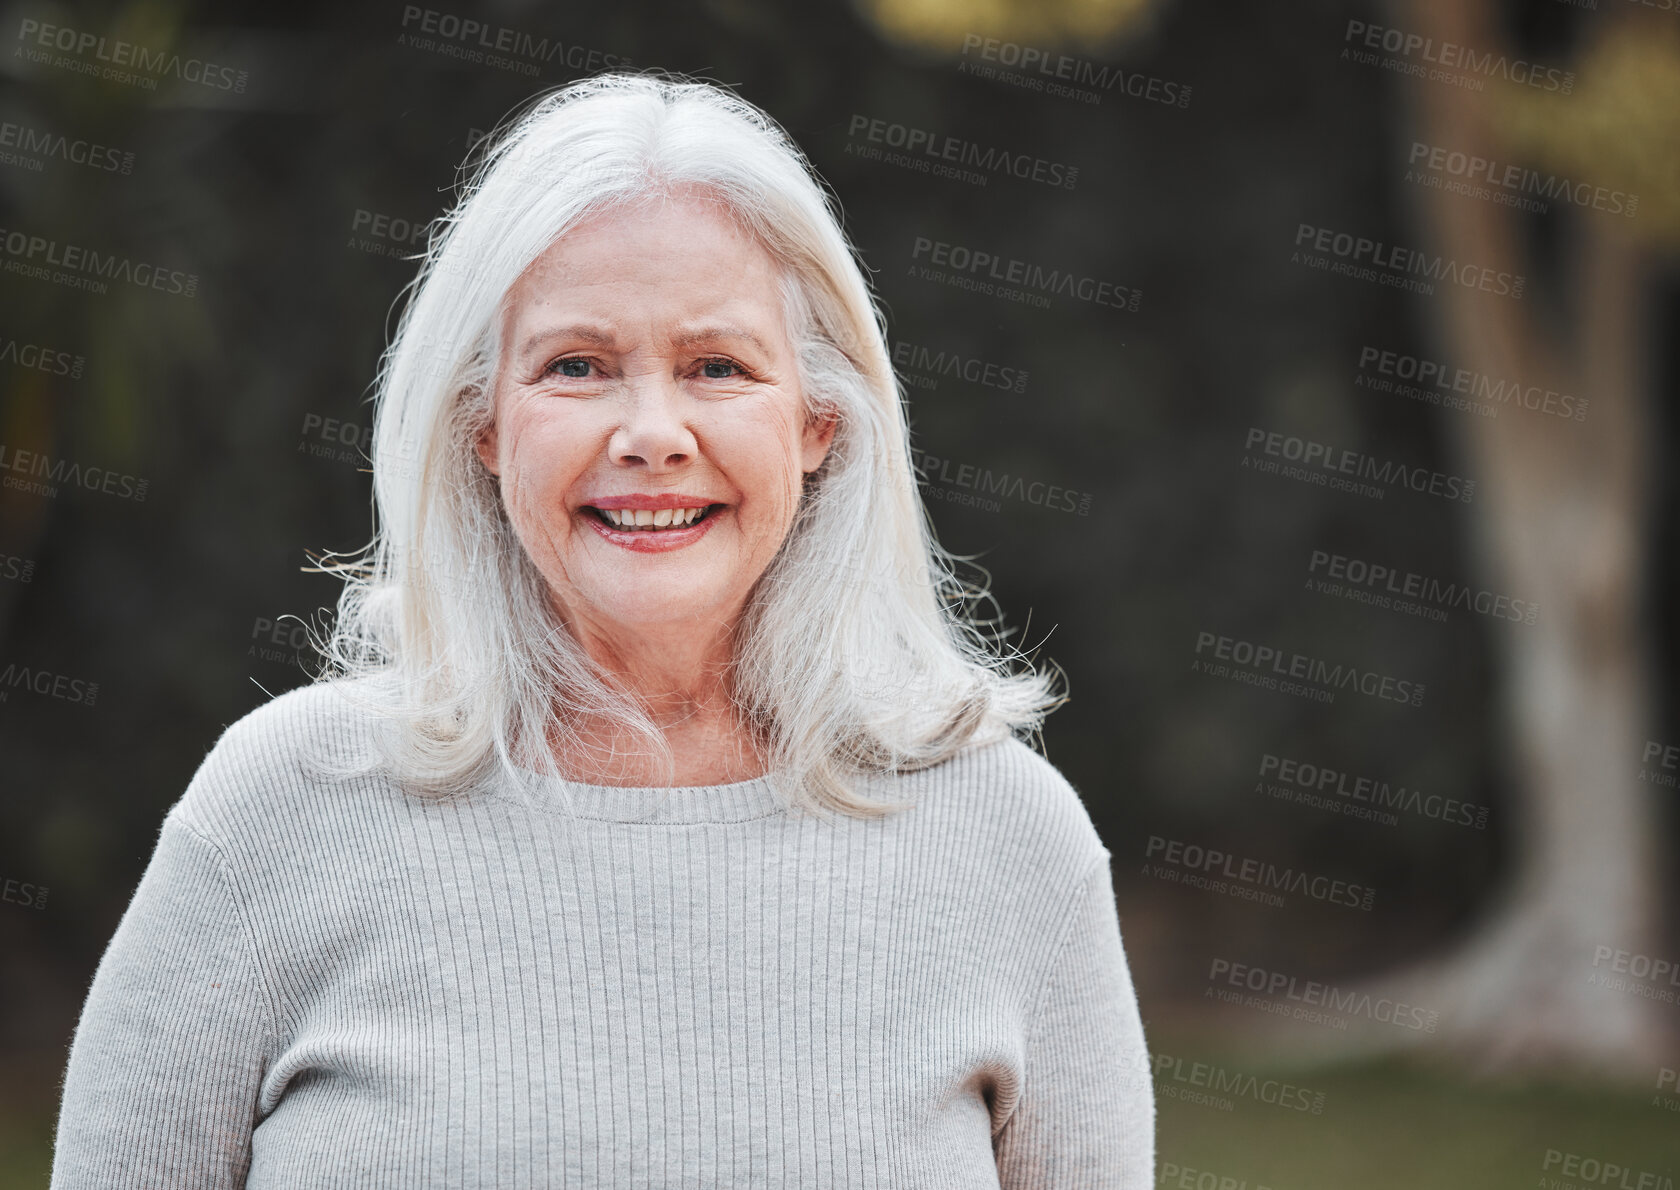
(691, 335)
(592, 335)
(595, 336)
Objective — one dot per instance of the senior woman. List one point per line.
(664, 818)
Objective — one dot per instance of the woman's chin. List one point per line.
(652, 603)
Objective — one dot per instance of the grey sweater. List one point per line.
(340, 984)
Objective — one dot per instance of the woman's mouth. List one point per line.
(646, 520)
(653, 531)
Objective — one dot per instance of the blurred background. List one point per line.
(1301, 374)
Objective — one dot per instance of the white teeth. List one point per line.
(625, 518)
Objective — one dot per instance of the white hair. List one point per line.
(859, 652)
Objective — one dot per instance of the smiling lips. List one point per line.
(648, 523)
(644, 518)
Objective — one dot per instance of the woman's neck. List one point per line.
(708, 746)
(682, 674)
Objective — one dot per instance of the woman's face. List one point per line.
(646, 374)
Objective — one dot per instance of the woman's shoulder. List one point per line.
(1006, 796)
(271, 764)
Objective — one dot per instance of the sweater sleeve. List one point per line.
(162, 1082)
(1085, 1119)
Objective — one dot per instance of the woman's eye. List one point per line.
(725, 368)
(575, 368)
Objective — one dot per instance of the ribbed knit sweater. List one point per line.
(343, 984)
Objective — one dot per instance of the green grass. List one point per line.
(1384, 1126)
(25, 1153)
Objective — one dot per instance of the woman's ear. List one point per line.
(485, 442)
(818, 437)
(485, 445)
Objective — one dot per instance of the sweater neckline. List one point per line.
(735, 801)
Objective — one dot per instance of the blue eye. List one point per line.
(577, 367)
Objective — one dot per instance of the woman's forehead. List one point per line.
(689, 273)
(665, 218)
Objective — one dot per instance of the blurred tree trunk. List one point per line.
(1560, 518)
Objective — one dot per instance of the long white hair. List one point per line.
(860, 650)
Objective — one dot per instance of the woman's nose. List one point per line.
(653, 430)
